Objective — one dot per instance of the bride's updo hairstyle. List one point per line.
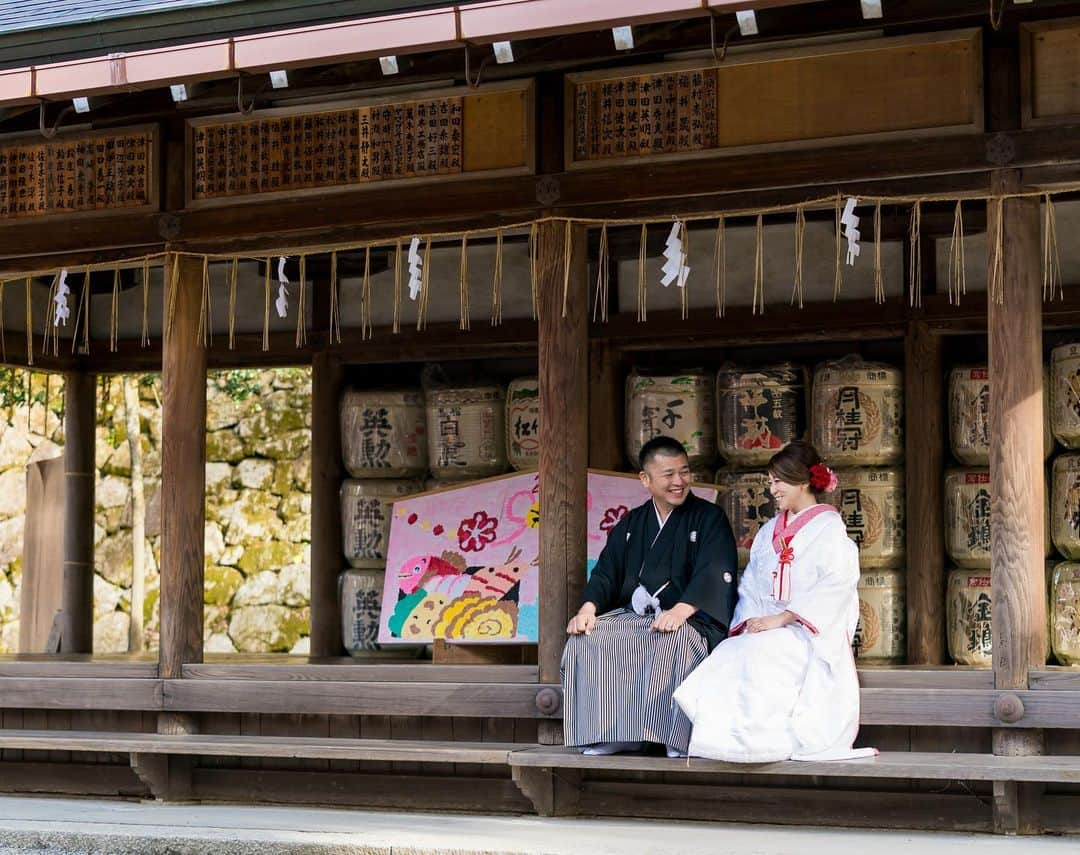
(798, 462)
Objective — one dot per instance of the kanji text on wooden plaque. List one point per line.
(78, 173)
(921, 84)
(449, 133)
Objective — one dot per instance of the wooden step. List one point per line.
(316, 748)
(889, 764)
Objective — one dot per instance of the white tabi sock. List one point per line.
(604, 748)
(674, 752)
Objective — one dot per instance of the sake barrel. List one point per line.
(857, 412)
(523, 423)
(681, 406)
(969, 416)
(360, 593)
(466, 432)
(365, 518)
(967, 517)
(748, 503)
(1065, 613)
(1065, 394)
(967, 609)
(700, 475)
(759, 411)
(383, 433)
(880, 636)
(871, 501)
(1065, 505)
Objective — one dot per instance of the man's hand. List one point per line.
(764, 624)
(583, 621)
(673, 618)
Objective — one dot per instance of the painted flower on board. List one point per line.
(477, 531)
(612, 517)
(532, 518)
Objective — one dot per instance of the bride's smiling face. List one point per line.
(789, 497)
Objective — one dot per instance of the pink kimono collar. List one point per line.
(781, 542)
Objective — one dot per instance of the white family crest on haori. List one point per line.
(792, 692)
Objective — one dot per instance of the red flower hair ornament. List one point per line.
(822, 478)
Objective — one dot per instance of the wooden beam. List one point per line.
(472, 700)
(564, 441)
(1017, 476)
(183, 469)
(326, 477)
(80, 470)
(924, 401)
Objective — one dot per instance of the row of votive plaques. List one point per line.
(459, 433)
(747, 415)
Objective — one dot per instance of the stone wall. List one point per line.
(258, 483)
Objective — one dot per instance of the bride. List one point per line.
(784, 685)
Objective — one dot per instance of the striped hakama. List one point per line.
(618, 682)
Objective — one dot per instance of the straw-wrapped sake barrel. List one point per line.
(871, 501)
(1065, 613)
(1065, 505)
(365, 518)
(701, 475)
(681, 406)
(967, 517)
(361, 603)
(1065, 394)
(383, 433)
(857, 412)
(523, 423)
(746, 500)
(881, 633)
(759, 411)
(969, 416)
(466, 432)
(967, 608)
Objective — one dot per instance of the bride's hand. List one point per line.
(764, 624)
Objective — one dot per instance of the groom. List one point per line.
(659, 599)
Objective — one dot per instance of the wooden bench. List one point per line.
(151, 753)
(535, 771)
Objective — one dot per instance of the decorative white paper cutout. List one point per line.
(675, 266)
(282, 303)
(851, 229)
(62, 313)
(416, 265)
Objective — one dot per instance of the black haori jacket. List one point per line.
(695, 553)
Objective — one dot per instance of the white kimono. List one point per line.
(793, 692)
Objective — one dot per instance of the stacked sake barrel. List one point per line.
(523, 423)
(1064, 581)
(967, 516)
(466, 431)
(677, 405)
(758, 411)
(857, 425)
(385, 451)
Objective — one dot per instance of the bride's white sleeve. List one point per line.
(755, 584)
(830, 600)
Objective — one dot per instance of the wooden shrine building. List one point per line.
(151, 160)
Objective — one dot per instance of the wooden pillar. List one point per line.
(564, 442)
(923, 478)
(80, 416)
(1017, 480)
(326, 477)
(183, 470)
(606, 441)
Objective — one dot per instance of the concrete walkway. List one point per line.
(118, 828)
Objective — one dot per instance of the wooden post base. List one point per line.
(167, 777)
(1016, 808)
(553, 792)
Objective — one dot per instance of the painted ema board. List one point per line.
(463, 562)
